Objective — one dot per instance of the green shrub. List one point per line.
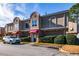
(71, 39)
(47, 39)
(60, 39)
(0, 38)
(77, 41)
(25, 39)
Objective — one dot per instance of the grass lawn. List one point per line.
(0, 40)
(25, 42)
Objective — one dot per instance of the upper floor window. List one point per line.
(54, 20)
(34, 22)
(16, 26)
(26, 25)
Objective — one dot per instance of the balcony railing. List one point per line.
(25, 29)
(52, 28)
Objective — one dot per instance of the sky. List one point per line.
(23, 10)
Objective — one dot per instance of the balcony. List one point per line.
(25, 29)
(53, 28)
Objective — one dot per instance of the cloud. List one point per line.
(6, 15)
(9, 11)
(21, 7)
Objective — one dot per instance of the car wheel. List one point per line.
(10, 42)
(18, 43)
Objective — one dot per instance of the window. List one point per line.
(16, 26)
(34, 22)
(54, 20)
(26, 25)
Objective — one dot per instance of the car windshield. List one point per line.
(12, 37)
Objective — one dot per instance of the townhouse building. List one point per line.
(17, 27)
(37, 25)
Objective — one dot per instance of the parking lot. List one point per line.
(28, 50)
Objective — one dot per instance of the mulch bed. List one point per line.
(74, 49)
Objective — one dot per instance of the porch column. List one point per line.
(37, 39)
(17, 35)
(32, 39)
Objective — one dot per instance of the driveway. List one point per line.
(28, 50)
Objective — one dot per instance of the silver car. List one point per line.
(11, 39)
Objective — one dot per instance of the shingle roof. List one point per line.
(25, 20)
(60, 12)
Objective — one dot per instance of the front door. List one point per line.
(33, 37)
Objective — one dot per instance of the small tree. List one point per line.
(74, 12)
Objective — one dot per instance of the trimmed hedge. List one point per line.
(60, 39)
(25, 39)
(47, 39)
(1, 38)
(71, 39)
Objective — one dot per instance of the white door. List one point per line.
(33, 37)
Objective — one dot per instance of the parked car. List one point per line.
(11, 39)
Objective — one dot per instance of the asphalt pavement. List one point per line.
(29, 50)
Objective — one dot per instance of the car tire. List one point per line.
(18, 43)
(10, 42)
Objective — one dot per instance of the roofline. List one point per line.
(1, 27)
(9, 23)
(56, 13)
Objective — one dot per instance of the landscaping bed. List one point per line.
(65, 43)
(49, 45)
(74, 49)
